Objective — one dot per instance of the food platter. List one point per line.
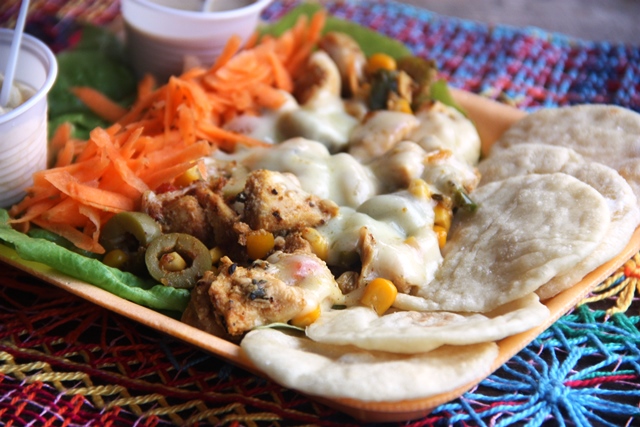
(491, 119)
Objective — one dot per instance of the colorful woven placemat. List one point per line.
(66, 362)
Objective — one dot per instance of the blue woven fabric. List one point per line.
(584, 370)
(528, 68)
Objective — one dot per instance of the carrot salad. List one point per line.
(166, 132)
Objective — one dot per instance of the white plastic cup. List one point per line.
(160, 38)
(23, 130)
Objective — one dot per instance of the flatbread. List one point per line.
(607, 134)
(419, 331)
(525, 159)
(527, 230)
(337, 371)
(630, 170)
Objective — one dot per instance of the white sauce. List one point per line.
(18, 95)
(338, 177)
(379, 132)
(265, 126)
(443, 127)
(313, 277)
(370, 187)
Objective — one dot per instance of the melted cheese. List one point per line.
(370, 191)
(445, 128)
(308, 273)
(405, 247)
(325, 120)
(338, 177)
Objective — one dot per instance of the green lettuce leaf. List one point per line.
(439, 91)
(97, 61)
(369, 40)
(82, 123)
(125, 285)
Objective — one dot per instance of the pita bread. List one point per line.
(527, 230)
(542, 159)
(630, 170)
(337, 371)
(524, 159)
(607, 134)
(420, 331)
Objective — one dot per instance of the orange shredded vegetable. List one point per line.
(99, 103)
(167, 130)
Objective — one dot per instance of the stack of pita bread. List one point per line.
(558, 198)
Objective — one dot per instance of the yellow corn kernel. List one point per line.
(380, 61)
(420, 189)
(441, 233)
(172, 261)
(116, 258)
(188, 177)
(442, 216)
(318, 243)
(259, 244)
(216, 254)
(379, 294)
(412, 241)
(403, 106)
(305, 319)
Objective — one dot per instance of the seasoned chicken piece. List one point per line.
(348, 56)
(445, 128)
(444, 173)
(199, 313)
(401, 165)
(228, 229)
(272, 291)
(274, 201)
(448, 174)
(380, 131)
(179, 211)
(322, 115)
(320, 76)
(293, 242)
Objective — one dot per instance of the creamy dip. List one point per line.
(18, 95)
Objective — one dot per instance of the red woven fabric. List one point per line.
(64, 361)
(67, 362)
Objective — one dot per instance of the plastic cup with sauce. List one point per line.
(163, 35)
(23, 122)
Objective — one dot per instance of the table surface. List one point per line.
(611, 20)
(64, 361)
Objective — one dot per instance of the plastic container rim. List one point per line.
(205, 16)
(40, 49)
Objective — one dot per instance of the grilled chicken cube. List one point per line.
(275, 202)
(272, 291)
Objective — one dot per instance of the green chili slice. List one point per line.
(192, 250)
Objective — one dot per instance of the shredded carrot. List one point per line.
(99, 103)
(59, 141)
(145, 86)
(230, 49)
(65, 156)
(89, 194)
(77, 237)
(35, 210)
(170, 173)
(166, 131)
(67, 209)
(281, 78)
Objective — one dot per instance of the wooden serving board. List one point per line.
(491, 119)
